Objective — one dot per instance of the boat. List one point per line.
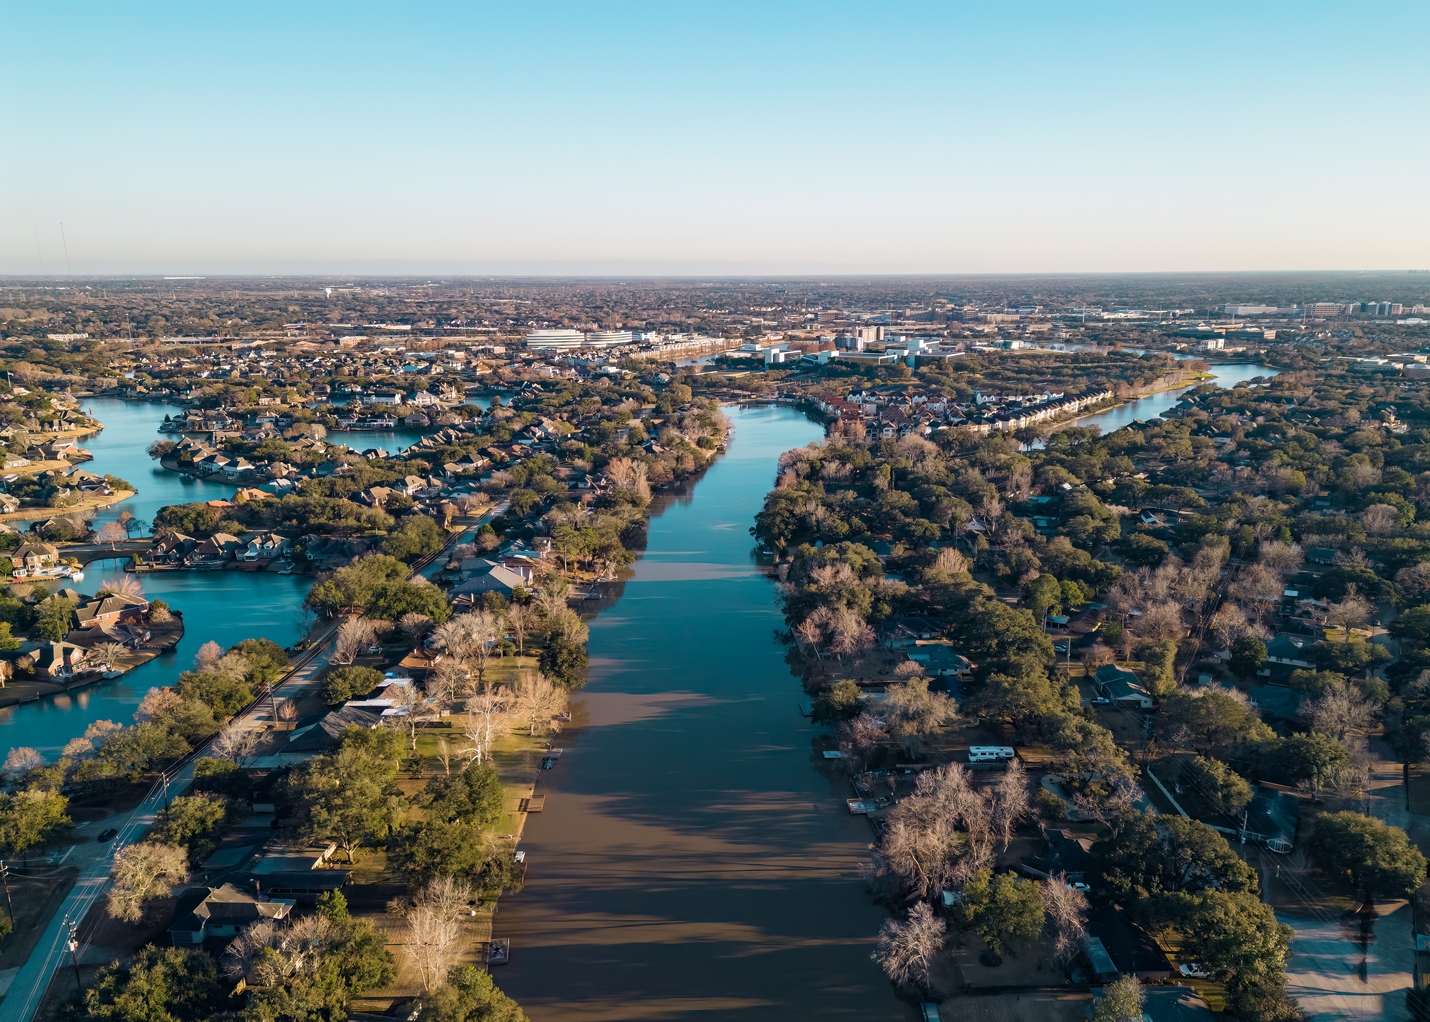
(111, 673)
(499, 951)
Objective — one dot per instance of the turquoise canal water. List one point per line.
(1153, 406)
(691, 861)
(223, 606)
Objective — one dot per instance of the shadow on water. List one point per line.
(689, 862)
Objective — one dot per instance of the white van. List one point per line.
(990, 753)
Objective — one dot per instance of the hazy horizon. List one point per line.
(738, 139)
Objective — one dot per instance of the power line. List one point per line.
(68, 271)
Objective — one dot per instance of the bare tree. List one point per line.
(1341, 712)
(444, 755)
(487, 720)
(913, 712)
(110, 653)
(102, 731)
(1067, 917)
(1161, 621)
(859, 737)
(111, 533)
(538, 701)
(809, 634)
(157, 704)
(208, 656)
(433, 928)
(415, 627)
(354, 636)
(907, 948)
(143, 872)
(950, 560)
(77, 748)
(21, 759)
(124, 585)
(1282, 558)
(406, 697)
(1009, 802)
(520, 619)
(235, 743)
(1351, 612)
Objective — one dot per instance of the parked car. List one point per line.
(1080, 887)
(1194, 971)
(107, 835)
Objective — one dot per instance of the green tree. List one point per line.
(469, 995)
(433, 849)
(840, 703)
(473, 796)
(7, 641)
(1412, 626)
(1146, 857)
(193, 822)
(225, 693)
(1248, 653)
(1005, 911)
(1227, 789)
(1375, 856)
(54, 619)
(158, 985)
(343, 683)
(393, 599)
(31, 819)
(267, 661)
(1212, 721)
(1121, 1001)
(1161, 660)
(1307, 756)
(1042, 595)
(415, 536)
(564, 661)
(1233, 935)
(348, 795)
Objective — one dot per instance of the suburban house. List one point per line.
(266, 545)
(224, 913)
(34, 556)
(1286, 651)
(55, 661)
(111, 609)
(489, 577)
(1121, 687)
(221, 546)
(172, 547)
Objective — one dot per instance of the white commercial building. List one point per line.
(558, 339)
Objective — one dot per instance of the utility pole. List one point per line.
(165, 779)
(74, 953)
(5, 879)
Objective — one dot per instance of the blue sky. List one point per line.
(704, 137)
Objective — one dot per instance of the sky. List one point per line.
(735, 138)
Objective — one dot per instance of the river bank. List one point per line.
(689, 858)
(164, 637)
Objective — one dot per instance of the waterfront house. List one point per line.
(489, 577)
(111, 609)
(172, 547)
(266, 546)
(34, 556)
(58, 661)
(219, 547)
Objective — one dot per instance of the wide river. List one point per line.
(691, 862)
(223, 606)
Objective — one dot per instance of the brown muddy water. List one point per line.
(692, 862)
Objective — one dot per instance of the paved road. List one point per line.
(1337, 973)
(27, 990)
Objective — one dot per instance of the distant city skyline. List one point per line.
(733, 139)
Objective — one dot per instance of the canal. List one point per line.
(1152, 406)
(692, 861)
(220, 606)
